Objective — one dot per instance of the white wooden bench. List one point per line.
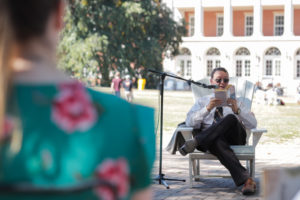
(244, 91)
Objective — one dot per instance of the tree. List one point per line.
(129, 36)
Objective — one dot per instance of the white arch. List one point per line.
(242, 62)
(212, 59)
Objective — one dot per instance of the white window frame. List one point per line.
(216, 62)
(236, 69)
(248, 15)
(273, 60)
(243, 60)
(188, 68)
(245, 71)
(182, 65)
(217, 25)
(297, 60)
(191, 25)
(297, 68)
(276, 25)
(275, 67)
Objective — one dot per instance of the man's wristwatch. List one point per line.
(238, 111)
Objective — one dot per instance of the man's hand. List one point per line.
(213, 103)
(233, 105)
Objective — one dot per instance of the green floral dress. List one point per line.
(61, 136)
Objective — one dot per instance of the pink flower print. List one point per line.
(72, 108)
(116, 172)
(8, 126)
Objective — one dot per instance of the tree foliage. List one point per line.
(129, 36)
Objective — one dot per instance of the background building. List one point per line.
(258, 40)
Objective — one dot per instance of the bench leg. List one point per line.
(191, 167)
(252, 168)
(197, 169)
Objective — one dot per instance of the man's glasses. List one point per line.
(225, 80)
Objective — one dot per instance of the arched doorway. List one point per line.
(272, 64)
(242, 63)
(213, 60)
(184, 63)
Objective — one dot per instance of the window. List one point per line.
(191, 25)
(218, 63)
(273, 51)
(183, 63)
(248, 25)
(242, 64)
(272, 62)
(182, 67)
(247, 67)
(213, 60)
(209, 67)
(220, 25)
(185, 67)
(213, 52)
(238, 68)
(298, 69)
(297, 58)
(269, 67)
(189, 68)
(242, 52)
(278, 25)
(277, 67)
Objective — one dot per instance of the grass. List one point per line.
(282, 122)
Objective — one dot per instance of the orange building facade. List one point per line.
(258, 40)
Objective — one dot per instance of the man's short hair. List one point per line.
(218, 69)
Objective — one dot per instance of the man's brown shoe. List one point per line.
(249, 187)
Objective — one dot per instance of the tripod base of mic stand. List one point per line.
(162, 180)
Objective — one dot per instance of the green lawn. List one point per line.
(282, 122)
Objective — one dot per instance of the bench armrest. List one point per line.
(257, 133)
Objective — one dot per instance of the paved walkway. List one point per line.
(176, 166)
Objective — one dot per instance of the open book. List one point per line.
(224, 94)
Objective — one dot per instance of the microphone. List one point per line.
(212, 86)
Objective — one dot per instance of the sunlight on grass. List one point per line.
(282, 122)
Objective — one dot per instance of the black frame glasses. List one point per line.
(219, 80)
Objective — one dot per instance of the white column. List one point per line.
(198, 19)
(288, 18)
(257, 18)
(227, 19)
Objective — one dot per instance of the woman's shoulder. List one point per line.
(117, 103)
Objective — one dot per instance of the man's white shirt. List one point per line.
(200, 117)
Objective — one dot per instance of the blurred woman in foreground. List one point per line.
(56, 134)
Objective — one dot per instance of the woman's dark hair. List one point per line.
(28, 17)
(20, 20)
(218, 69)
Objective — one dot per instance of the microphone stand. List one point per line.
(160, 177)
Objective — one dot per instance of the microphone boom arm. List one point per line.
(180, 78)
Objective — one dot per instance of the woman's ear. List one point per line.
(59, 15)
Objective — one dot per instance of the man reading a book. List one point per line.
(217, 125)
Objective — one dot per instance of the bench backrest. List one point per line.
(244, 90)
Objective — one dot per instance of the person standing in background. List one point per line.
(127, 85)
(116, 84)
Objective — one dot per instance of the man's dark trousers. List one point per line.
(218, 138)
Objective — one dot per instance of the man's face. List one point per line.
(220, 79)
